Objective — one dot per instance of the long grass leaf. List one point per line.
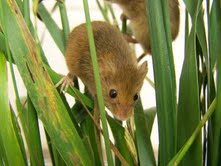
(103, 11)
(218, 56)
(52, 27)
(217, 48)
(193, 7)
(189, 106)
(164, 76)
(64, 20)
(212, 34)
(3, 158)
(214, 143)
(213, 23)
(150, 115)
(201, 35)
(19, 3)
(89, 131)
(13, 153)
(28, 129)
(18, 133)
(120, 142)
(2, 43)
(45, 98)
(27, 12)
(98, 84)
(58, 160)
(186, 147)
(144, 146)
(33, 135)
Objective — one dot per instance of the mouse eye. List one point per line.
(136, 97)
(113, 93)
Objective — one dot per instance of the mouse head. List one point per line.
(121, 89)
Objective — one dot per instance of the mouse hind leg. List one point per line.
(65, 82)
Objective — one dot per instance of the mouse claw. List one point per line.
(65, 82)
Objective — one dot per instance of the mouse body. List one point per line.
(135, 11)
(121, 76)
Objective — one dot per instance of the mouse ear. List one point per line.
(143, 68)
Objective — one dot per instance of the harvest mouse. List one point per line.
(121, 76)
(135, 11)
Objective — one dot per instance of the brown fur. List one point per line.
(117, 65)
(135, 11)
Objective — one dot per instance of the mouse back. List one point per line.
(119, 71)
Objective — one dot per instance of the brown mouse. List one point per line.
(121, 76)
(135, 11)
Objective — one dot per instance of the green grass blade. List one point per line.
(58, 161)
(49, 143)
(217, 48)
(219, 64)
(19, 3)
(186, 147)
(89, 131)
(144, 146)
(32, 135)
(150, 115)
(36, 156)
(103, 11)
(212, 34)
(56, 78)
(71, 114)
(64, 20)
(18, 133)
(2, 43)
(111, 10)
(52, 27)
(120, 142)
(98, 84)
(218, 107)
(214, 143)
(164, 75)
(12, 149)
(213, 23)
(27, 12)
(201, 35)
(189, 105)
(3, 158)
(44, 96)
(193, 7)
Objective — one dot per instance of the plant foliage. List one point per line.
(189, 125)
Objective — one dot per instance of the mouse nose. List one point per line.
(123, 112)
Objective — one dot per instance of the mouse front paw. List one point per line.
(65, 82)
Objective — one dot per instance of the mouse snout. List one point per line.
(123, 112)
